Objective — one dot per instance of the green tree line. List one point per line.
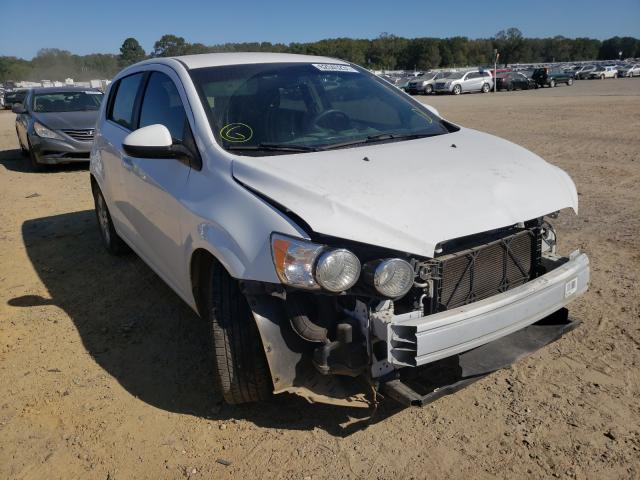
(385, 52)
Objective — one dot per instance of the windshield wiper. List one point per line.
(273, 147)
(380, 137)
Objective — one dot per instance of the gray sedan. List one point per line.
(56, 125)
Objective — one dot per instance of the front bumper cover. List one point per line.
(54, 151)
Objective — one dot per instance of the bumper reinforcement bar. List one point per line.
(423, 385)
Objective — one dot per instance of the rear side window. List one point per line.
(122, 107)
(162, 104)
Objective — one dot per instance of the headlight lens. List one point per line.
(392, 277)
(294, 260)
(337, 270)
(304, 264)
(44, 132)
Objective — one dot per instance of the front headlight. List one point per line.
(392, 277)
(337, 270)
(307, 265)
(44, 132)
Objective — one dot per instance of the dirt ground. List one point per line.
(105, 374)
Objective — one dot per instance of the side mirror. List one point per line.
(432, 110)
(18, 108)
(153, 141)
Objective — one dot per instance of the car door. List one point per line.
(156, 186)
(120, 121)
(475, 81)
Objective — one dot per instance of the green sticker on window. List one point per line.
(236, 133)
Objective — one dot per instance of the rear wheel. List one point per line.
(110, 239)
(241, 372)
(485, 88)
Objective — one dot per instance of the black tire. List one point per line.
(457, 90)
(23, 150)
(552, 83)
(110, 239)
(510, 87)
(570, 82)
(485, 88)
(240, 369)
(36, 166)
(428, 90)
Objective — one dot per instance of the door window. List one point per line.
(162, 105)
(122, 108)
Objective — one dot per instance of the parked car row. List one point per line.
(517, 78)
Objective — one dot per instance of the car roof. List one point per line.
(63, 89)
(243, 58)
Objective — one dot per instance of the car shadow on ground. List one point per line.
(145, 336)
(15, 161)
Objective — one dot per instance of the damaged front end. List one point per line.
(352, 321)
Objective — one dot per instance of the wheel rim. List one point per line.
(103, 219)
(456, 89)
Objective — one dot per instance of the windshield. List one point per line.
(67, 101)
(298, 106)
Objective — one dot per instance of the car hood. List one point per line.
(67, 120)
(412, 195)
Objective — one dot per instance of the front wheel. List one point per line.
(570, 82)
(457, 90)
(485, 88)
(428, 90)
(36, 166)
(552, 83)
(23, 150)
(241, 371)
(110, 238)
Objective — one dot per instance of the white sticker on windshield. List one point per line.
(334, 67)
(92, 92)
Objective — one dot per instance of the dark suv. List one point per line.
(551, 77)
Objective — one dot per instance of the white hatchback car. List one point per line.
(340, 237)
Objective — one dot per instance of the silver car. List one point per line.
(470, 81)
(422, 84)
(56, 125)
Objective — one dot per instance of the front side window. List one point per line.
(253, 108)
(67, 101)
(122, 108)
(162, 105)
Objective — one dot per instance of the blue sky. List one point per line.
(101, 26)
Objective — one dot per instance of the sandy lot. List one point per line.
(105, 374)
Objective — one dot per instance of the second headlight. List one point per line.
(392, 277)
